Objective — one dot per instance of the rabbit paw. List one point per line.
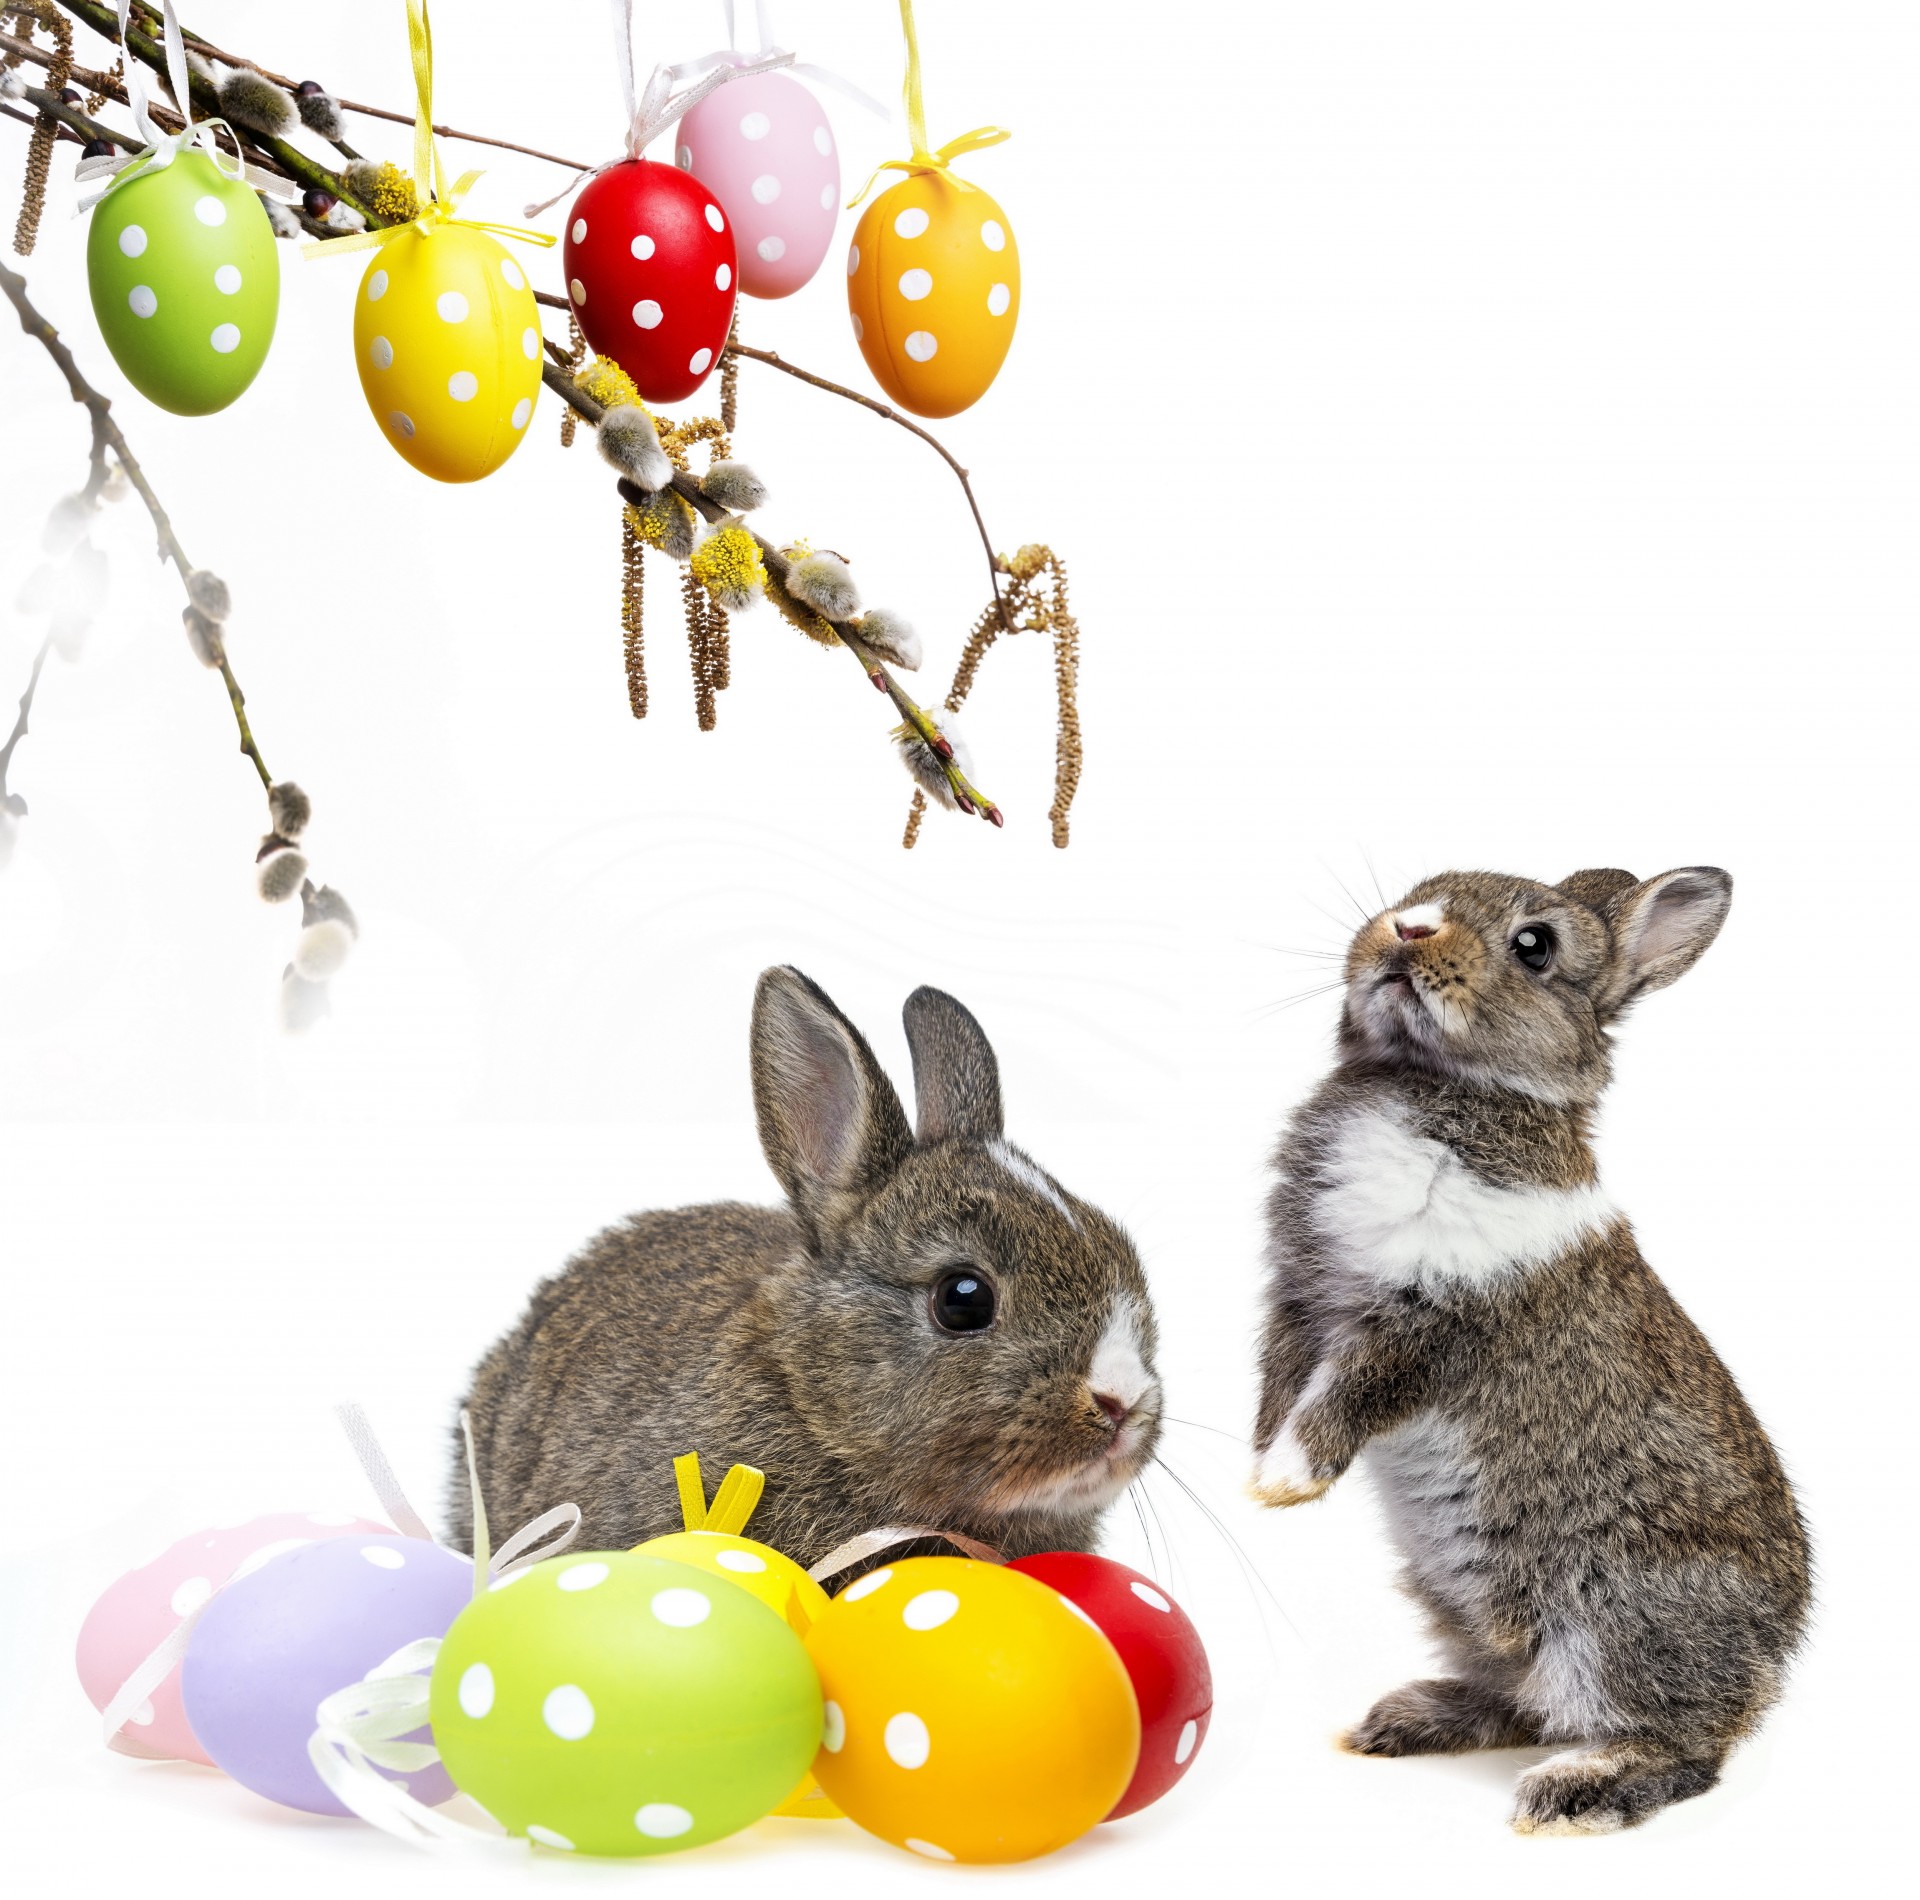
(1601, 1790)
(1285, 1475)
(1438, 1717)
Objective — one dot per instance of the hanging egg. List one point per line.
(1162, 1654)
(650, 268)
(185, 282)
(447, 338)
(933, 287)
(763, 147)
(272, 1646)
(616, 1703)
(971, 1713)
(138, 1611)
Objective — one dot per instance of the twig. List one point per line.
(26, 711)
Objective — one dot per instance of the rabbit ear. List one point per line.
(1662, 928)
(830, 1122)
(956, 1081)
(1594, 888)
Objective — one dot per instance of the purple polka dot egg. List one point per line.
(763, 147)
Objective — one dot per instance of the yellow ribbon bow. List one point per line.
(732, 1504)
(925, 159)
(438, 199)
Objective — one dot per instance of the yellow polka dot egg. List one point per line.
(447, 338)
(972, 1713)
(933, 288)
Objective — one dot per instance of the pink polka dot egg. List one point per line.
(136, 1613)
(763, 147)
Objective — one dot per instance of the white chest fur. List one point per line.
(1404, 1209)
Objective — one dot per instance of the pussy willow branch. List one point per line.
(107, 436)
(26, 712)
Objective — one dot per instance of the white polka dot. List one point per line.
(142, 1717)
(684, 158)
(647, 313)
(579, 291)
(1150, 1596)
(1189, 1734)
(381, 351)
(822, 140)
(998, 299)
(402, 424)
(476, 1690)
(141, 300)
(210, 211)
(742, 1562)
(642, 246)
(225, 338)
(926, 1849)
(867, 1585)
(699, 361)
(681, 1609)
(463, 385)
(662, 1821)
(992, 236)
(530, 343)
(833, 1728)
(756, 125)
(133, 241)
(722, 276)
(383, 1556)
(859, 328)
(912, 222)
(772, 249)
(920, 345)
(585, 1576)
(567, 1712)
(579, 230)
(713, 211)
(521, 411)
(452, 306)
(765, 188)
(547, 1837)
(853, 258)
(226, 280)
(512, 272)
(908, 1742)
(826, 197)
(930, 1609)
(376, 286)
(915, 284)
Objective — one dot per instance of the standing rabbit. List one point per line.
(931, 1332)
(1597, 1526)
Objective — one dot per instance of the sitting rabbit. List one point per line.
(932, 1332)
(1597, 1526)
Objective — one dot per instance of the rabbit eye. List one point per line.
(1533, 945)
(962, 1301)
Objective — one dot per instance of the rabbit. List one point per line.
(932, 1332)
(1599, 1530)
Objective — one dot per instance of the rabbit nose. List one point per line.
(1113, 1406)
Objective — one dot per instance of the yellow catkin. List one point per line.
(392, 196)
(609, 385)
(729, 563)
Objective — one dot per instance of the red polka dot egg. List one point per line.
(1163, 1656)
(650, 268)
(971, 1714)
(933, 288)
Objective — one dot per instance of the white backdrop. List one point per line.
(1480, 435)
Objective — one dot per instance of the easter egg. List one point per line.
(782, 1586)
(763, 147)
(618, 1703)
(185, 282)
(272, 1646)
(971, 1713)
(650, 269)
(1162, 1654)
(933, 287)
(447, 338)
(137, 1612)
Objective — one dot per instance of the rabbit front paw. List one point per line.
(1286, 1474)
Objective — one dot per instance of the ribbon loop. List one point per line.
(925, 158)
(871, 1543)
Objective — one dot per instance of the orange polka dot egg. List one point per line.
(972, 1713)
(933, 288)
(446, 335)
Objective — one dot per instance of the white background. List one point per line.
(1481, 435)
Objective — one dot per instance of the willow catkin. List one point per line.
(632, 613)
(729, 388)
(40, 141)
(719, 646)
(694, 598)
(915, 812)
(576, 354)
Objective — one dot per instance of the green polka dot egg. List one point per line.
(185, 282)
(611, 1703)
(447, 338)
